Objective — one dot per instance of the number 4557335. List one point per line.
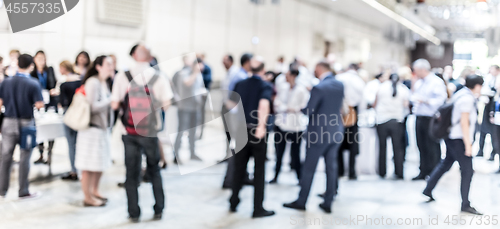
(33, 8)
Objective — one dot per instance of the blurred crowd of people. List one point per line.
(323, 109)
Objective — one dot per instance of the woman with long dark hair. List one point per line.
(93, 144)
(391, 105)
(47, 78)
(82, 63)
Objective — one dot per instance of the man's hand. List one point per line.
(260, 132)
(468, 150)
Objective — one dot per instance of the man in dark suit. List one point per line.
(324, 136)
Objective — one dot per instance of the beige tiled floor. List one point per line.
(196, 200)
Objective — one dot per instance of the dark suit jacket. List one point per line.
(324, 108)
(51, 78)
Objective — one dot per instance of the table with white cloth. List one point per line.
(49, 126)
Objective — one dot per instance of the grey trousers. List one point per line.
(10, 138)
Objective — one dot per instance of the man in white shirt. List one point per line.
(429, 93)
(490, 87)
(135, 145)
(353, 96)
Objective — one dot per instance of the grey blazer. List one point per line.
(98, 95)
(324, 108)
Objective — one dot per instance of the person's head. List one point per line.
(40, 60)
(66, 68)
(269, 76)
(201, 56)
(113, 57)
(405, 73)
(25, 63)
(245, 61)
(14, 55)
(83, 59)
(199, 64)
(281, 59)
(1, 64)
(140, 53)
(394, 78)
(257, 66)
(321, 68)
(448, 72)
(422, 68)
(227, 61)
(293, 72)
(495, 70)
(475, 84)
(353, 66)
(102, 67)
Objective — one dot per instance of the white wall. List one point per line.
(214, 27)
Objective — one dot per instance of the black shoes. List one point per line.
(295, 205)
(157, 216)
(70, 177)
(234, 204)
(471, 210)
(273, 181)
(431, 199)
(353, 177)
(419, 177)
(263, 213)
(325, 208)
(40, 161)
(133, 219)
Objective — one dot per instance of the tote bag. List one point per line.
(77, 116)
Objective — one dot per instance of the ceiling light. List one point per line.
(403, 21)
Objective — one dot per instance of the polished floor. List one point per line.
(196, 200)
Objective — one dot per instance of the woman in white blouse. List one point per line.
(391, 105)
(290, 121)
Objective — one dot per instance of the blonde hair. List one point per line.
(68, 66)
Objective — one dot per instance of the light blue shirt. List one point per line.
(241, 75)
(430, 93)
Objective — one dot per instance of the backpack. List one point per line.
(139, 116)
(77, 116)
(440, 124)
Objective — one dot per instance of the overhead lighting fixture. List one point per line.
(403, 21)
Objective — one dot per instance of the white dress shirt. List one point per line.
(288, 105)
(353, 87)
(429, 94)
(489, 83)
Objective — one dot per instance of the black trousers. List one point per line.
(135, 146)
(495, 139)
(486, 127)
(280, 139)
(254, 148)
(455, 151)
(430, 150)
(396, 131)
(351, 144)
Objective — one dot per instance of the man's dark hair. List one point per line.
(354, 66)
(24, 61)
(496, 66)
(132, 51)
(294, 69)
(1, 59)
(230, 58)
(473, 80)
(258, 68)
(245, 58)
